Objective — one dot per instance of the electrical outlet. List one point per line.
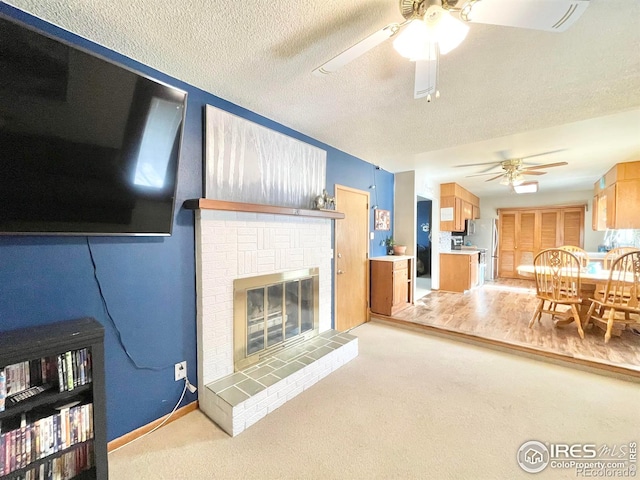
(181, 370)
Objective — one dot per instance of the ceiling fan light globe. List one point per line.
(527, 187)
(443, 29)
(412, 42)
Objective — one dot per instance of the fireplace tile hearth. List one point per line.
(239, 400)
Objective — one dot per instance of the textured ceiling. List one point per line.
(504, 89)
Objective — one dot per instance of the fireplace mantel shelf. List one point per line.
(209, 204)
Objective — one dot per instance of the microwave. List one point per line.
(469, 229)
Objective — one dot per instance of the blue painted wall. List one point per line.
(423, 216)
(148, 283)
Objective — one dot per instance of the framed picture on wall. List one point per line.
(382, 219)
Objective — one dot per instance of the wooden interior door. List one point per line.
(549, 229)
(526, 247)
(507, 245)
(524, 232)
(573, 227)
(351, 253)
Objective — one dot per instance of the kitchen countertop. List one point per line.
(461, 252)
(391, 258)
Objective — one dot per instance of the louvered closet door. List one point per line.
(523, 233)
(526, 247)
(549, 229)
(507, 245)
(573, 227)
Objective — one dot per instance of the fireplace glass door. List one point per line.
(281, 311)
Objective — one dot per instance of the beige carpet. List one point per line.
(410, 406)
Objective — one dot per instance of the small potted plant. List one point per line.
(393, 248)
(389, 243)
(399, 249)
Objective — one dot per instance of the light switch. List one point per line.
(371, 235)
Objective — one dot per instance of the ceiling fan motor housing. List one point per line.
(417, 8)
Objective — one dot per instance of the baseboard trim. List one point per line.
(137, 433)
(529, 352)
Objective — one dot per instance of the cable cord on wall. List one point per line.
(186, 384)
(115, 326)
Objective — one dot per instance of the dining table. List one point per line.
(590, 280)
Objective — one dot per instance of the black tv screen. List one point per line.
(87, 147)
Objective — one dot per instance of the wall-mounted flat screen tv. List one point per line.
(87, 147)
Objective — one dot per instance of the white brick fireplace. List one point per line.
(232, 245)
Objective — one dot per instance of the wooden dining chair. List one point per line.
(557, 275)
(582, 254)
(609, 258)
(614, 253)
(620, 303)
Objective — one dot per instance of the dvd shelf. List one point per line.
(52, 402)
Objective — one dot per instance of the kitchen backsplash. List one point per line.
(445, 241)
(622, 238)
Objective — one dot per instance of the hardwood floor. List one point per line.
(500, 312)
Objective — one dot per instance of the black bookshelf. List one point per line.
(49, 341)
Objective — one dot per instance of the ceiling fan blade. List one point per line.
(527, 172)
(543, 153)
(426, 74)
(547, 165)
(476, 164)
(547, 15)
(483, 174)
(496, 177)
(360, 48)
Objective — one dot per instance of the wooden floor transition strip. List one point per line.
(530, 352)
(139, 432)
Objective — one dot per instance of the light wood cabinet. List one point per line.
(599, 213)
(465, 205)
(617, 198)
(524, 232)
(391, 284)
(458, 271)
(467, 210)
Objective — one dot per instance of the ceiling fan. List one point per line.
(514, 169)
(430, 30)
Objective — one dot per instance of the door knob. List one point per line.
(340, 272)
(339, 255)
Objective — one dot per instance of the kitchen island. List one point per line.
(458, 270)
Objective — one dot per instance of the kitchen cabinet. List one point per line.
(524, 232)
(464, 204)
(467, 210)
(616, 198)
(391, 283)
(458, 270)
(599, 213)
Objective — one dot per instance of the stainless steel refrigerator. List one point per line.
(486, 236)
